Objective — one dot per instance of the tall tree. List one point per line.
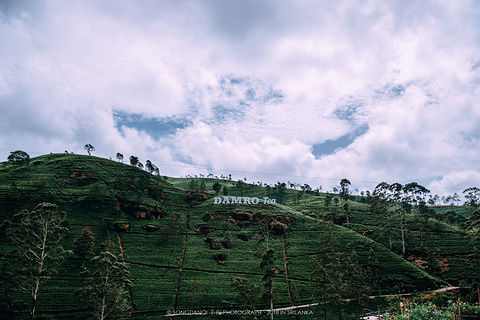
(265, 223)
(416, 195)
(345, 194)
(337, 273)
(280, 189)
(107, 287)
(89, 148)
(241, 187)
(83, 245)
(268, 266)
(38, 235)
(250, 292)
(380, 205)
(472, 196)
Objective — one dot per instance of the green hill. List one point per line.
(182, 250)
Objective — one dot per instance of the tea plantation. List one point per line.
(183, 251)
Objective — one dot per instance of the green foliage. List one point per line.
(134, 161)
(151, 168)
(154, 258)
(337, 274)
(425, 312)
(268, 267)
(198, 293)
(37, 234)
(279, 191)
(217, 187)
(249, 292)
(19, 157)
(107, 287)
(83, 245)
(472, 196)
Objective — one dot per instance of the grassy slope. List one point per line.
(166, 268)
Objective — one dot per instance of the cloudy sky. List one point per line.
(304, 91)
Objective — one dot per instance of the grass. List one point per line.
(175, 265)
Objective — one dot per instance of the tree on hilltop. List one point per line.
(472, 196)
(134, 161)
(119, 157)
(89, 148)
(18, 157)
(151, 168)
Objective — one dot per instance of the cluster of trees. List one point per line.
(134, 161)
(38, 236)
(337, 274)
(396, 200)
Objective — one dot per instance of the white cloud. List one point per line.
(455, 181)
(258, 83)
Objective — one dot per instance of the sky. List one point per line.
(301, 91)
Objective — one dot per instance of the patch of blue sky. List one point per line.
(153, 126)
(390, 91)
(330, 146)
(254, 90)
(348, 111)
(223, 114)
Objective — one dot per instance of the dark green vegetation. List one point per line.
(183, 252)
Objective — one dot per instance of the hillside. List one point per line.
(189, 260)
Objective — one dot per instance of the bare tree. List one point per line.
(108, 286)
(38, 235)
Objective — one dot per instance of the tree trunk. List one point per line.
(339, 311)
(403, 235)
(389, 232)
(103, 308)
(271, 303)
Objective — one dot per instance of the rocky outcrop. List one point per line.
(243, 236)
(204, 229)
(216, 245)
(141, 211)
(220, 258)
(121, 226)
(193, 198)
(150, 227)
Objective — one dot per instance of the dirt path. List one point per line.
(286, 269)
(316, 303)
(177, 289)
(122, 253)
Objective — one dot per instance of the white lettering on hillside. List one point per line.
(242, 200)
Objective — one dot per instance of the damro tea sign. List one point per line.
(242, 200)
